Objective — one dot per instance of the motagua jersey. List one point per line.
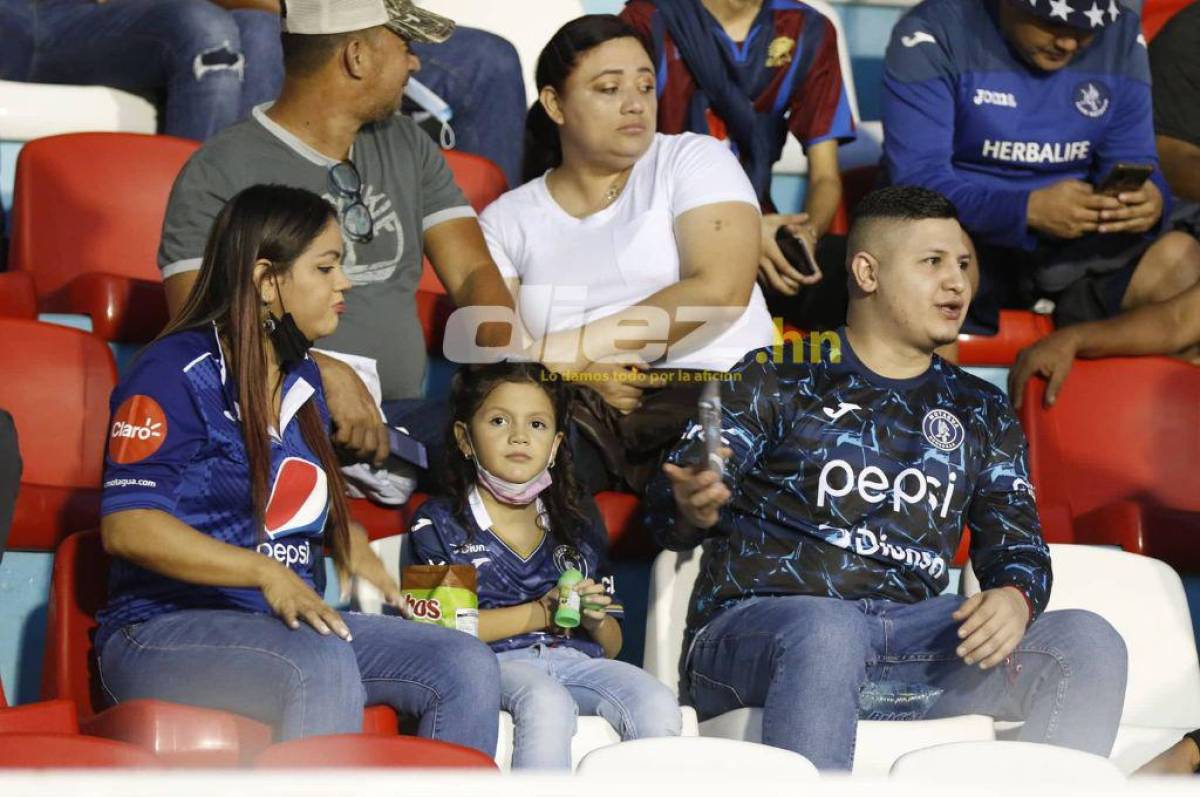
(175, 444)
(967, 117)
(440, 534)
(850, 485)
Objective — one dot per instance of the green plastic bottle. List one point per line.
(567, 614)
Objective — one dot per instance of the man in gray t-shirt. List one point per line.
(346, 63)
(408, 189)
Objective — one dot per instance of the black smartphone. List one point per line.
(1124, 177)
(407, 449)
(709, 410)
(796, 251)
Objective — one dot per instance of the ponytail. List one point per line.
(543, 146)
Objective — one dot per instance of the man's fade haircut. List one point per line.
(305, 54)
(892, 204)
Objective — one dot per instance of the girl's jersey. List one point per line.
(442, 535)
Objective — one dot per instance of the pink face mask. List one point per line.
(509, 493)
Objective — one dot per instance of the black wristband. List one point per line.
(1195, 737)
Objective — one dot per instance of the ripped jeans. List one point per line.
(214, 65)
(803, 659)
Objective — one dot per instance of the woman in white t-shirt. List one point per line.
(627, 250)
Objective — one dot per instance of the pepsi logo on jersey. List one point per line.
(298, 506)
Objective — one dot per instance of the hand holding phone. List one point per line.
(796, 251)
(1124, 177)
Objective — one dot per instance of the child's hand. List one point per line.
(549, 603)
(594, 599)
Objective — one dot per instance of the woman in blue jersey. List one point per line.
(221, 490)
(513, 510)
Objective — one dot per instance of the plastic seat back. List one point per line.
(88, 212)
(694, 757)
(58, 751)
(1157, 13)
(60, 406)
(671, 580)
(362, 751)
(1122, 429)
(1007, 762)
(1143, 599)
(78, 590)
(482, 182)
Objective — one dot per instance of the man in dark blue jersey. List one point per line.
(848, 482)
(1018, 110)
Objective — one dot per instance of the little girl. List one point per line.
(513, 510)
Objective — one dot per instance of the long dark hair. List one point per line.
(469, 388)
(275, 223)
(543, 147)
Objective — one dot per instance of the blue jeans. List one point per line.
(478, 74)
(803, 660)
(544, 688)
(306, 684)
(213, 64)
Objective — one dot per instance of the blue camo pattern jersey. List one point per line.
(175, 445)
(967, 117)
(850, 485)
(442, 535)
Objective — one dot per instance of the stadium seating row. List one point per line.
(75, 250)
(1162, 698)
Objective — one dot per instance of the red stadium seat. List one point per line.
(60, 405)
(856, 184)
(178, 734)
(384, 521)
(354, 751)
(1114, 460)
(48, 716)
(627, 537)
(16, 295)
(481, 182)
(1018, 329)
(60, 751)
(87, 216)
(1156, 13)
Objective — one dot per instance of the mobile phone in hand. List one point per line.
(406, 448)
(709, 408)
(796, 251)
(1124, 177)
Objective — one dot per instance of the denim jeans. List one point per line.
(203, 56)
(306, 684)
(544, 688)
(803, 660)
(478, 74)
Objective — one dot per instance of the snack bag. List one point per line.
(443, 595)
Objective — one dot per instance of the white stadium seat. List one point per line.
(695, 758)
(1007, 762)
(879, 743)
(36, 110)
(1143, 599)
(591, 733)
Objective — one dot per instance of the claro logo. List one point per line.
(139, 429)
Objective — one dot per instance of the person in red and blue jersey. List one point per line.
(750, 72)
(221, 489)
(1017, 110)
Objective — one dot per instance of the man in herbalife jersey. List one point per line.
(1016, 110)
(847, 484)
